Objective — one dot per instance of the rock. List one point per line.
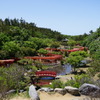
(33, 93)
(51, 90)
(0, 95)
(21, 91)
(72, 90)
(46, 89)
(57, 77)
(60, 90)
(10, 91)
(90, 90)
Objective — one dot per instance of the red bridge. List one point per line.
(45, 77)
(46, 73)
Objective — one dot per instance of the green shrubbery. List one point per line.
(57, 84)
(79, 80)
(11, 78)
(95, 68)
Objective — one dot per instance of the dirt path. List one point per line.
(56, 96)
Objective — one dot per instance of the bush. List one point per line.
(42, 51)
(28, 64)
(98, 75)
(94, 68)
(79, 80)
(57, 84)
(11, 78)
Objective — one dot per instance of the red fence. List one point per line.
(5, 62)
(50, 57)
(65, 50)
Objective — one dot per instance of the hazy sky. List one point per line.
(70, 17)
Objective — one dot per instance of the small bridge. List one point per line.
(46, 73)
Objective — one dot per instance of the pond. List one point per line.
(62, 69)
(67, 68)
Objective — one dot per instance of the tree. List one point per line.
(3, 54)
(42, 51)
(79, 53)
(94, 46)
(11, 48)
(39, 42)
(55, 44)
(30, 44)
(74, 61)
(71, 43)
(3, 38)
(7, 21)
(76, 57)
(11, 78)
(27, 51)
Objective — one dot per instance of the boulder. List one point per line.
(72, 90)
(33, 93)
(90, 90)
(46, 89)
(60, 91)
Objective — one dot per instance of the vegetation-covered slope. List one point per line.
(93, 43)
(20, 38)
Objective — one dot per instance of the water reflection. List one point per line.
(62, 70)
(66, 69)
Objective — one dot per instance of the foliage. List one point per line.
(16, 34)
(55, 44)
(27, 51)
(56, 52)
(79, 38)
(76, 57)
(75, 61)
(99, 75)
(57, 84)
(38, 64)
(71, 43)
(28, 64)
(96, 55)
(11, 78)
(93, 43)
(11, 48)
(3, 54)
(25, 61)
(94, 68)
(79, 53)
(30, 44)
(94, 46)
(3, 38)
(91, 38)
(95, 64)
(79, 80)
(42, 51)
(39, 42)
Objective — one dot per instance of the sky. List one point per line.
(69, 17)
